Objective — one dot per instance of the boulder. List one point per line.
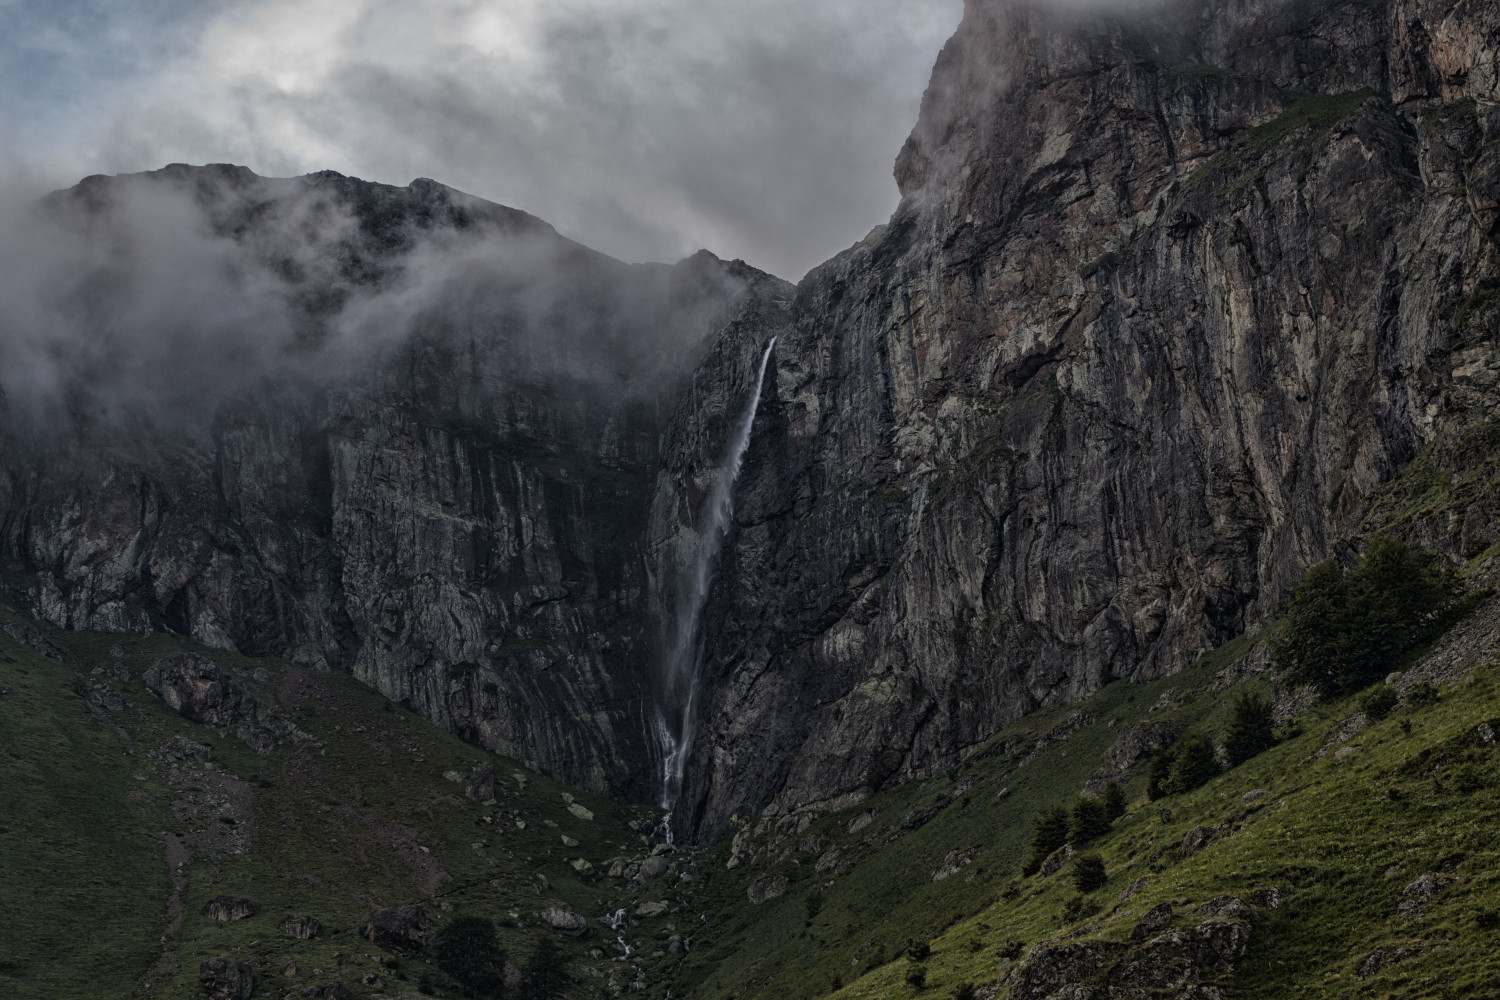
(397, 928)
(1056, 860)
(652, 909)
(226, 979)
(768, 888)
(580, 811)
(300, 926)
(197, 689)
(227, 908)
(561, 918)
(1196, 839)
(654, 867)
(1418, 893)
(1254, 795)
(480, 785)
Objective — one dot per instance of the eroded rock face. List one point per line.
(446, 500)
(1141, 340)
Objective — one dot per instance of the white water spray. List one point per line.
(676, 711)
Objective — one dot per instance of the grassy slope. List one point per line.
(364, 819)
(1427, 800)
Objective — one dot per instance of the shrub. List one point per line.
(1089, 821)
(1194, 763)
(917, 951)
(1114, 801)
(1051, 833)
(1077, 909)
(1251, 730)
(1421, 694)
(1010, 950)
(813, 905)
(469, 952)
(916, 977)
(1487, 920)
(1088, 873)
(963, 991)
(1378, 702)
(1345, 630)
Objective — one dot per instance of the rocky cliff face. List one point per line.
(1168, 295)
(437, 480)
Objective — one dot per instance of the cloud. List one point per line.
(762, 129)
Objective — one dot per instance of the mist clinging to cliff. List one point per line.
(645, 128)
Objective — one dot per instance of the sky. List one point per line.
(758, 129)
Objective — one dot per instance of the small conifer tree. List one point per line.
(1089, 820)
(1193, 764)
(1051, 833)
(1251, 730)
(1114, 801)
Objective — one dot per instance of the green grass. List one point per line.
(360, 817)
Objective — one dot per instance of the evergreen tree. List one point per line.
(1114, 801)
(1160, 774)
(1345, 630)
(1250, 729)
(469, 952)
(1193, 764)
(545, 975)
(1051, 833)
(1089, 820)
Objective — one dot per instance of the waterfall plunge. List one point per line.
(676, 713)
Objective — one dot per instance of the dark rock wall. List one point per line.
(456, 516)
(1167, 296)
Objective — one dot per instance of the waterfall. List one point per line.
(677, 707)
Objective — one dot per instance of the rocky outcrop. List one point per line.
(1172, 962)
(1146, 333)
(397, 928)
(228, 908)
(226, 979)
(195, 687)
(301, 926)
(426, 458)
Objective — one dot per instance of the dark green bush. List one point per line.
(1010, 950)
(963, 991)
(1421, 694)
(1114, 801)
(1345, 630)
(1088, 873)
(1051, 833)
(813, 905)
(1194, 762)
(1251, 730)
(916, 977)
(1378, 702)
(1089, 821)
(917, 951)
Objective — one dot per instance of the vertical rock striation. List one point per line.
(1168, 295)
(438, 480)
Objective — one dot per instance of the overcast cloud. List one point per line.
(762, 129)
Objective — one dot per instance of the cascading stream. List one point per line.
(677, 706)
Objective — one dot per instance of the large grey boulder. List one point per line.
(397, 928)
(226, 979)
